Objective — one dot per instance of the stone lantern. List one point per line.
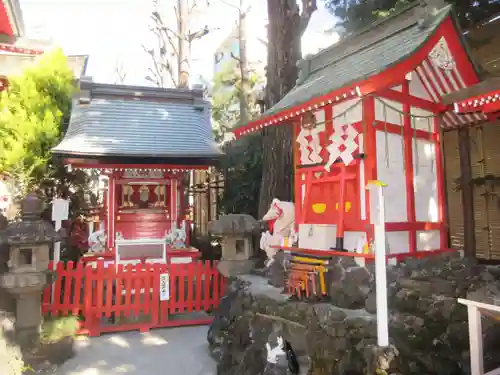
(237, 231)
(28, 243)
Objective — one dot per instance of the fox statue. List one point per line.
(281, 222)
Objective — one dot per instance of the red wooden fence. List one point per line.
(134, 297)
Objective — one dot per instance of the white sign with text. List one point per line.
(164, 287)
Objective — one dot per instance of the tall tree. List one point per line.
(242, 166)
(357, 14)
(171, 57)
(242, 58)
(287, 23)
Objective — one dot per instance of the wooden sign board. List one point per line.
(164, 287)
(143, 173)
(60, 209)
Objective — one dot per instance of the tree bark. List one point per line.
(285, 29)
(183, 58)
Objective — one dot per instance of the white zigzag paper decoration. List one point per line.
(343, 135)
(310, 151)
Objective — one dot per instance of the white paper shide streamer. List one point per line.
(310, 150)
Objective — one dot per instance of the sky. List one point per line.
(112, 32)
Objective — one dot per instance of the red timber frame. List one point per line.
(380, 85)
(115, 180)
(110, 203)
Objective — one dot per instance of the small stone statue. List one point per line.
(280, 358)
(281, 222)
(276, 355)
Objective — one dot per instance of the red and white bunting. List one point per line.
(20, 50)
(294, 112)
(478, 103)
(110, 170)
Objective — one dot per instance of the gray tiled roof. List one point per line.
(361, 56)
(139, 122)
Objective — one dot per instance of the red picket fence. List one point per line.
(134, 297)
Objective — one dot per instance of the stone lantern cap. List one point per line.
(31, 230)
(233, 224)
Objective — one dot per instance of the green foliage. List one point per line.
(226, 94)
(33, 111)
(354, 15)
(242, 166)
(57, 328)
(242, 169)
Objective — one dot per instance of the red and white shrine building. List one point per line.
(142, 141)
(370, 108)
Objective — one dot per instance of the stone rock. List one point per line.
(231, 268)
(11, 362)
(276, 271)
(233, 224)
(428, 327)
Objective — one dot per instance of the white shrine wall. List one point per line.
(392, 171)
(385, 113)
(354, 115)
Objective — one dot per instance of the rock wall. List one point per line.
(428, 328)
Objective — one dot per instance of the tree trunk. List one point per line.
(285, 28)
(244, 91)
(183, 47)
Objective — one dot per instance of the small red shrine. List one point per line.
(141, 140)
(369, 108)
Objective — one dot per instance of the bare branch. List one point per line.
(199, 34)
(156, 80)
(169, 68)
(235, 57)
(171, 38)
(263, 41)
(161, 25)
(193, 7)
(177, 16)
(308, 8)
(229, 4)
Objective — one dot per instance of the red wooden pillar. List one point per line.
(370, 150)
(173, 201)
(408, 163)
(111, 201)
(440, 185)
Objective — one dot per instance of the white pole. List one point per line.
(378, 221)
(60, 210)
(57, 245)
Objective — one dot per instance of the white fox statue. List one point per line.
(282, 216)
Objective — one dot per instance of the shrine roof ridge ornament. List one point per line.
(90, 89)
(337, 73)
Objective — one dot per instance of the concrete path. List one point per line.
(173, 351)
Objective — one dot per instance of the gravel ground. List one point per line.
(171, 351)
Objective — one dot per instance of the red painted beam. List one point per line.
(412, 100)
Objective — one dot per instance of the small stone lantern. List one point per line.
(28, 242)
(236, 231)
